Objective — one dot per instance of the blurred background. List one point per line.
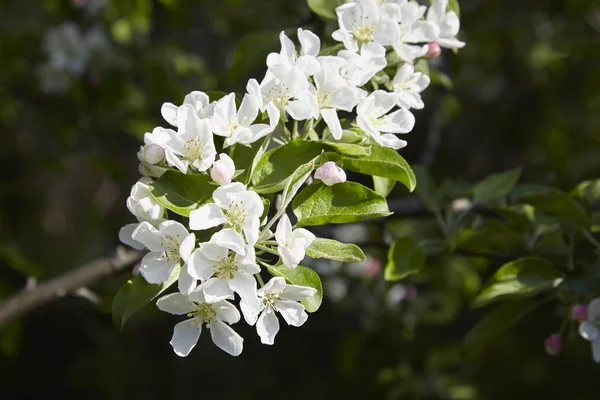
(81, 81)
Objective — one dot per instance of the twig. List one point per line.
(44, 293)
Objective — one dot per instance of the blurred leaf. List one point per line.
(496, 186)
(523, 277)
(491, 236)
(440, 78)
(247, 157)
(302, 276)
(334, 250)
(405, 257)
(182, 193)
(553, 202)
(325, 8)
(319, 204)
(588, 191)
(427, 190)
(135, 294)
(11, 338)
(16, 259)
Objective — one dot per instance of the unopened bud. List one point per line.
(459, 205)
(553, 345)
(434, 50)
(330, 174)
(580, 312)
(136, 268)
(223, 170)
(154, 154)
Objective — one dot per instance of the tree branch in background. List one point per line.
(72, 282)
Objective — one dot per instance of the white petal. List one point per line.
(251, 229)
(275, 285)
(267, 326)
(386, 32)
(125, 237)
(332, 120)
(225, 194)
(250, 314)
(245, 286)
(289, 257)
(185, 337)
(186, 283)
(199, 266)
(297, 293)
(169, 113)
(206, 217)
(292, 311)
(149, 236)
(247, 263)
(248, 110)
(174, 230)
(596, 351)
(229, 239)
(216, 290)
(187, 247)
(175, 303)
(198, 100)
(390, 140)
(226, 338)
(226, 312)
(401, 121)
(309, 42)
(589, 331)
(156, 269)
(451, 43)
(284, 230)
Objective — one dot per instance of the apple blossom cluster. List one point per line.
(217, 251)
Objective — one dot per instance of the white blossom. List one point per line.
(223, 170)
(310, 45)
(447, 24)
(198, 100)
(170, 245)
(277, 296)
(364, 21)
(217, 317)
(151, 151)
(414, 30)
(373, 118)
(408, 86)
(237, 125)
(292, 243)
(590, 329)
(330, 174)
(236, 208)
(362, 66)
(143, 206)
(192, 145)
(223, 272)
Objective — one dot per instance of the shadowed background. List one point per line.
(81, 81)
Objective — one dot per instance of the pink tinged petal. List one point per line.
(223, 170)
(284, 230)
(245, 285)
(330, 174)
(297, 293)
(186, 283)
(226, 312)
(125, 237)
(175, 161)
(206, 217)
(596, 351)
(292, 311)
(149, 236)
(589, 331)
(226, 338)
(155, 268)
(185, 337)
(333, 122)
(288, 257)
(594, 309)
(169, 113)
(199, 266)
(176, 304)
(216, 290)
(267, 326)
(230, 239)
(390, 140)
(275, 284)
(187, 247)
(250, 314)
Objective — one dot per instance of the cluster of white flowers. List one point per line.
(300, 85)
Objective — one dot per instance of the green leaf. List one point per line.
(427, 190)
(319, 204)
(440, 78)
(453, 6)
(302, 276)
(247, 157)
(349, 149)
(332, 50)
(588, 191)
(523, 277)
(554, 202)
(383, 186)
(276, 166)
(325, 8)
(383, 162)
(405, 258)
(135, 294)
(334, 250)
(499, 320)
(182, 193)
(496, 186)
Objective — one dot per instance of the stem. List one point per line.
(259, 279)
(267, 249)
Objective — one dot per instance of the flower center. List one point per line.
(172, 245)
(192, 149)
(279, 95)
(363, 33)
(226, 268)
(323, 97)
(376, 121)
(204, 313)
(236, 215)
(270, 299)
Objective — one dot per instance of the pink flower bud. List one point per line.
(434, 50)
(223, 170)
(154, 154)
(136, 268)
(330, 174)
(553, 345)
(580, 312)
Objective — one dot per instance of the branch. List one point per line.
(89, 274)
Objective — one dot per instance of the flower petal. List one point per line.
(297, 293)
(200, 267)
(332, 120)
(186, 283)
(230, 239)
(267, 326)
(149, 236)
(250, 314)
(169, 113)
(589, 331)
(245, 286)
(284, 230)
(292, 311)
(185, 337)
(206, 217)
(187, 247)
(216, 290)
(596, 351)
(226, 338)
(594, 309)
(175, 303)
(155, 268)
(227, 312)
(125, 237)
